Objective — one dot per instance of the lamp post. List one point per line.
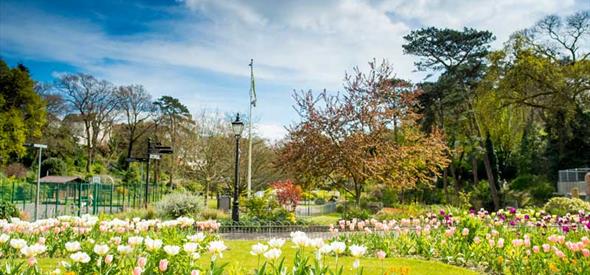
(41, 147)
(237, 127)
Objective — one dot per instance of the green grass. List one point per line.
(239, 259)
(241, 262)
(326, 219)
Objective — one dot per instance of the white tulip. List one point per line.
(276, 243)
(73, 246)
(272, 254)
(258, 249)
(80, 257)
(338, 247)
(357, 250)
(190, 247)
(101, 249)
(171, 249)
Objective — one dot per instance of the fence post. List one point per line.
(79, 199)
(56, 201)
(12, 192)
(111, 204)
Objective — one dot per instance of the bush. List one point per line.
(538, 187)
(561, 206)
(213, 214)
(179, 204)
(355, 212)
(54, 166)
(8, 210)
(259, 207)
(375, 207)
(320, 201)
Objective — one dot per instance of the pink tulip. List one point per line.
(465, 232)
(108, 259)
(500, 243)
(163, 265)
(536, 249)
(517, 242)
(527, 242)
(141, 261)
(137, 270)
(195, 272)
(559, 253)
(32, 261)
(546, 248)
(381, 254)
(586, 252)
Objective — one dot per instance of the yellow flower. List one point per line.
(553, 268)
(500, 259)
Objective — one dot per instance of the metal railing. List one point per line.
(265, 230)
(307, 210)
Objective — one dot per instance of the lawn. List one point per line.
(241, 262)
(326, 219)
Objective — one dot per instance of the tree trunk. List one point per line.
(445, 184)
(88, 149)
(206, 195)
(474, 170)
(491, 180)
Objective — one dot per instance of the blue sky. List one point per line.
(199, 50)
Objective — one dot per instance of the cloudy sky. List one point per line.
(199, 50)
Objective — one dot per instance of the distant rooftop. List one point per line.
(60, 179)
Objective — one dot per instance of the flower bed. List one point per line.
(504, 242)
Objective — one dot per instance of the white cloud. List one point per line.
(272, 132)
(295, 44)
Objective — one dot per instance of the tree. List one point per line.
(176, 117)
(362, 135)
(95, 104)
(137, 107)
(22, 111)
(459, 55)
(543, 74)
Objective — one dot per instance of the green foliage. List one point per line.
(320, 201)
(22, 111)
(132, 175)
(267, 208)
(7, 210)
(480, 196)
(54, 166)
(213, 214)
(537, 187)
(176, 205)
(260, 206)
(562, 206)
(353, 211)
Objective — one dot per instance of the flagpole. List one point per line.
(250, 129)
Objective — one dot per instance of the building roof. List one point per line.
(60, 179)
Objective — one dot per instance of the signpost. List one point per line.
(41, 147)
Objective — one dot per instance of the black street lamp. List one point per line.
(237, 127)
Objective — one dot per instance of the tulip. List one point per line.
(163, 266)
(141, 262)
(108, 259)
(137, 270)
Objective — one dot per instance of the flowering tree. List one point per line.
(368, 133)
(288, 194)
